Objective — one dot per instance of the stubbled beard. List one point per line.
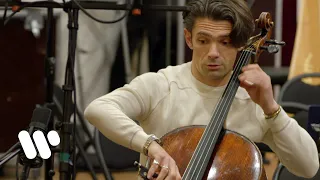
(219, 76)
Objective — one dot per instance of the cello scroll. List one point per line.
(262, 41)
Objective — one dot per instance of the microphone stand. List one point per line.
(66, 151)
(53, 103)
(66, 127)
(22, 159)
(49, 73)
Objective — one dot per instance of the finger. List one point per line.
(243, 85)
(164, 170)
(153, 168)
(244, 68)
(247, 78)
(249, 83)
(172, 170)
(178, 177)
(246, 74)
(163, 173)
(245, 82)
(242, 77)
(251, 67)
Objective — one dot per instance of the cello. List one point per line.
(212, 152)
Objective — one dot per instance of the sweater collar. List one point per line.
(210, 91)
(201, 88)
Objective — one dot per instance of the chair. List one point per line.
(278, 76)
(296, 97)
(282, 173)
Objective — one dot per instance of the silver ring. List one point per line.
(165, 167)
(155, 162)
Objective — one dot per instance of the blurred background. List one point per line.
(110, 55)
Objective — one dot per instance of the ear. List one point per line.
(187, 36)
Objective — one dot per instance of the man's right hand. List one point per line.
(169, 169)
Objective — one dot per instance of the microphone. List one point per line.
(39, 121)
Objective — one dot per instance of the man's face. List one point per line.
(213, 53)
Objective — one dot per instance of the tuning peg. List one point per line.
(270, 48)
(275, 42)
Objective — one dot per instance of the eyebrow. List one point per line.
(201, 33)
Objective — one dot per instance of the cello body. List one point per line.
(235, 157)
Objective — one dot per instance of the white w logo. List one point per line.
(40, 142)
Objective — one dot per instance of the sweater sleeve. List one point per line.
(292, 144)
(113, 114)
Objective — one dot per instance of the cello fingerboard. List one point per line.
(199, 161)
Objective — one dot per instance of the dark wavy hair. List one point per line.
(235, 11)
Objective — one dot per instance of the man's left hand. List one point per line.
(259, 87)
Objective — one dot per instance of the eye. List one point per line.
(226, 42)
(202, 41)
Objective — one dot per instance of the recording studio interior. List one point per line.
(160, 89)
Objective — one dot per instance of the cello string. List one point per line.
(228, 102)
(241, 61)
(206, 132)
(219, 119)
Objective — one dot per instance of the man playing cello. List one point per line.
(186, 94)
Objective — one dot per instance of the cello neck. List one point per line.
(200, 159)
(226, 99)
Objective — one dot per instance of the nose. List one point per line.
(213, 51)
